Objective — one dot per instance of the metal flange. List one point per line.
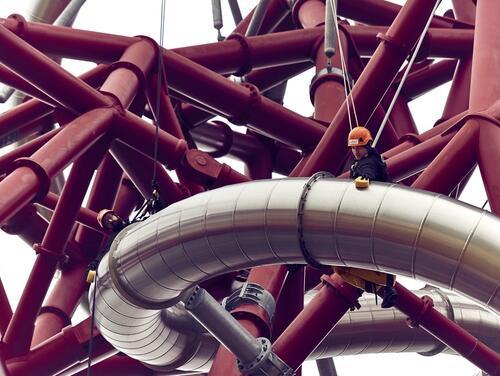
(267, 363)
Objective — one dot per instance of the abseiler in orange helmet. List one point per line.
(359, 136)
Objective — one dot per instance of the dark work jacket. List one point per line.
(371, 167)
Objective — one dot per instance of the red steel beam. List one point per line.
(29, 117)
(128, 198)
(23, 119)
(35, 173)
(421, 313)
(276, 12)
(438, 42)
(227, 57)
(140, 135)
(51, 250)
(15, 81)
(290, 303)
(59, 307)
(264, 79)
(28, 224)
(316, 320)
(485, 92)
(62, 351)
(85, 216)
(134, 163)
(5, 310)
(57, 310)
(49, 77)
(470, 143)
(376, 12)
(166, 118)
(244, 104)
(427, 78)
(371, 85)
(102, 196)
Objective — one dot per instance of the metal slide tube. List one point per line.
(250, 224)
(373, 329)
(421, 313)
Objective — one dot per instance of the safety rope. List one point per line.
(485, 203)
(343, 65)
(92, 323)
(151, 205)
(154, 183)
(407, 71)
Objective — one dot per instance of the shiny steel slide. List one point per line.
(386, 227)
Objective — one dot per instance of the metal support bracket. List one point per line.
(247, 54)
(414, 322)
(328, 74)
(267, 363)
(251, 293)
(300, 217)
(62, 258)
(254, 97)
(42, 176)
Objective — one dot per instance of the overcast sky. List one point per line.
(189, 22)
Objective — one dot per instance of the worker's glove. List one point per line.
(361, 182)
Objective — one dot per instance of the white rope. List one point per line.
(407, 71)
(343, 66)
(347, 83)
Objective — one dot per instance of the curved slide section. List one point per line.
(386, 227)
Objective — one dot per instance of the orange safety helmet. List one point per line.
(359, 136)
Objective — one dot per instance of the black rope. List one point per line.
(92, 321)
(154, 183)
(484, 205)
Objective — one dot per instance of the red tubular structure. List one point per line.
(103, 135)
(422, 314)
(252, 317)
(50, 251)
(6, 313)
(375, 80)
(316, 320)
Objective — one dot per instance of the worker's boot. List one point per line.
(389, 296)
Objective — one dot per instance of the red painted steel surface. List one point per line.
(102, 131)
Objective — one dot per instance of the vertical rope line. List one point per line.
(347, 83)
(92, 323)
(158, 96)
(407, 71)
